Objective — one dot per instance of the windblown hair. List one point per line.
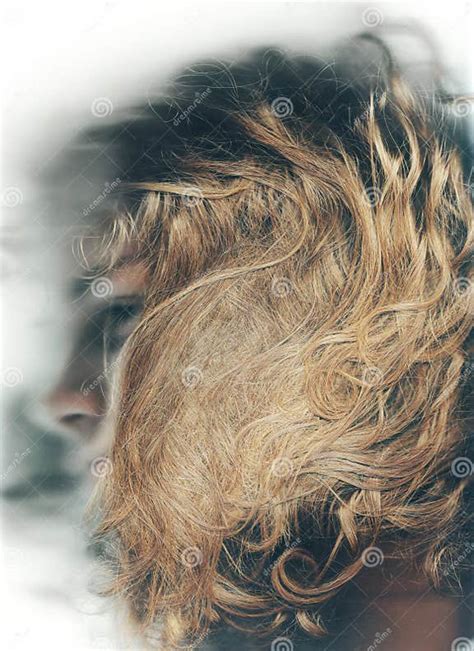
(290, 401)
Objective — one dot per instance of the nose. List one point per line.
(75, 411)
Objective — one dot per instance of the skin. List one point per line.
(77, 403)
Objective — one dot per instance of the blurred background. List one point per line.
(67, 66)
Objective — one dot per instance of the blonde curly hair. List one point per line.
(291, 397)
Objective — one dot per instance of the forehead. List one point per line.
(129, 278)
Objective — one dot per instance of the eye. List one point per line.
(120, 319)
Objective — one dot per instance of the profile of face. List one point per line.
(104, 311)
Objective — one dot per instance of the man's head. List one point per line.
(290, 396)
